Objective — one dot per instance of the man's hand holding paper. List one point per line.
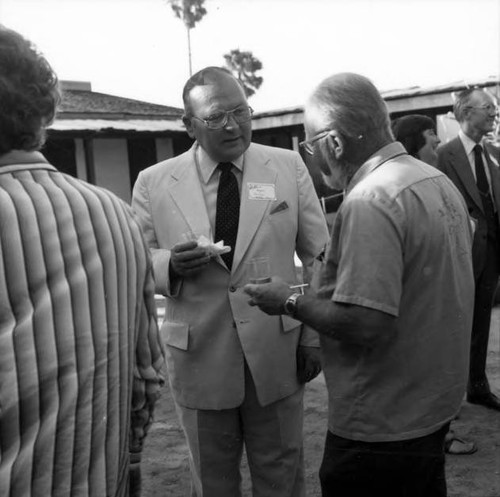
(191, 257)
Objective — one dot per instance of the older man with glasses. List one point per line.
(392, 303)
(473, 165)
(237, 374)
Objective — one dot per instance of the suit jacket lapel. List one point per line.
(462, 167)
(257, 169)
(494, 175)
(187, 194)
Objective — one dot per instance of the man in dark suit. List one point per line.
(473, 165)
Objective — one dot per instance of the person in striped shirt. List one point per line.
(80, 356)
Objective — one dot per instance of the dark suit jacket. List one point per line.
(453, 161)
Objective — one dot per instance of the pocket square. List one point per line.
(280, 207)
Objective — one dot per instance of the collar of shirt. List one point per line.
(468, 144)
(22, 157)
(382, 155)
(208, 166)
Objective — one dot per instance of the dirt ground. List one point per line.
(165, 466)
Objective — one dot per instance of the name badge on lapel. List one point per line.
(261, 191)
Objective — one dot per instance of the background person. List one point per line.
(237, 374)
(80, 354)
(473, 167)
(393, 304)
(417, 133)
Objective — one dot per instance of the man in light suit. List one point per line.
(237, 374)
(473, 166)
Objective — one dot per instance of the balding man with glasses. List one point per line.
(392, 304)
(237, 374)
(473, 165)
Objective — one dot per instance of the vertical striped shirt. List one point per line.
(80, 355)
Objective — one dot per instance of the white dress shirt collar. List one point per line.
(468, 143)
(207, 165)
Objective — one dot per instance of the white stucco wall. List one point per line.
(111, 166)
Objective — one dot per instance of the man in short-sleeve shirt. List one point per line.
(397, 242)
(393, 303)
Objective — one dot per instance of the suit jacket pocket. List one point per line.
(175, 334)
(289, 323)
(278, 207)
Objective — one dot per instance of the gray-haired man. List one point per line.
(393, 304)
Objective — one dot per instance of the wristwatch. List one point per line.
(291, 304)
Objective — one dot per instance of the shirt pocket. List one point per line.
(175, 334)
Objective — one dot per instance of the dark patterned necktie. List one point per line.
(481, 179)
(228, 210)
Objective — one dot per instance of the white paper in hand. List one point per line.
(213, 248)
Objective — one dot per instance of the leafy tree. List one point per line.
(190, 12)
(244, 65)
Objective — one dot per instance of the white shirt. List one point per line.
(469, 145)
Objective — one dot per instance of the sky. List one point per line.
(138, 48)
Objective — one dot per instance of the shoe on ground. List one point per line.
(458, 447)
(488, 399)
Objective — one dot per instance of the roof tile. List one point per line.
(87, 104)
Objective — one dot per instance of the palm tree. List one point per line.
(189, 12)
(244, 65)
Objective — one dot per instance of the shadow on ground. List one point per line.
(165, 464)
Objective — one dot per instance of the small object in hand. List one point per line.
(213, 248)
(203, 242)
(259, 270)
(299, 287)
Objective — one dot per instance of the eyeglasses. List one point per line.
(487, 107)
(307, 145)
(220, 119)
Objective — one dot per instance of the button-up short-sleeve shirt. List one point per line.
(401, 244)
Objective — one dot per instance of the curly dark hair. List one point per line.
(29, 93)
(409, 131)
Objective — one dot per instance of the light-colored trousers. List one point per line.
(271, 435)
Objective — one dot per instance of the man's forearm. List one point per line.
(349, 323)
(320, 314)
(344, 322)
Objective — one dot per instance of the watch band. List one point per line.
(291, 304)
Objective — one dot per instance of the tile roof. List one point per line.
(91, 104)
